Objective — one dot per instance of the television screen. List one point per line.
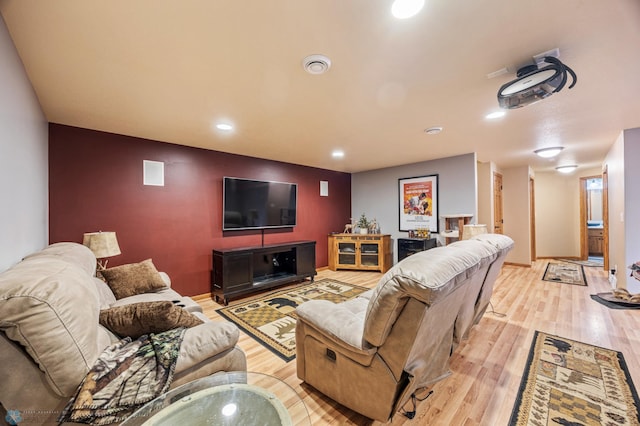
(255, 204)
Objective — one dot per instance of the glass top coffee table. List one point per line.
(235, 398)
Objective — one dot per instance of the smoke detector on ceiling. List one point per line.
(536, 81)
(433, 130)
(316, 64)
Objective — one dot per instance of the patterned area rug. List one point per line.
(571, 383)
(567, 273)
(271, 318)
(590, 262)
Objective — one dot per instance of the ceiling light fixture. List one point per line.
(224, 126)
(403, 9)
(494, 115)
(337, 154)
(548, 152)
(567, 169)
(433, 130)
(316, 64)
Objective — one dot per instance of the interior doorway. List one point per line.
(592, 219)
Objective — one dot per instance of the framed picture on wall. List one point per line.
(418, 203)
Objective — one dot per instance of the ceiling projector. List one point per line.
(534, 83)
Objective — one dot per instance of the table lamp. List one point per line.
(102, 244)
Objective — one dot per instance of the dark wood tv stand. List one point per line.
(241, 271)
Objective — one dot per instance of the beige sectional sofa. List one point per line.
(50, 335)
(373, 352)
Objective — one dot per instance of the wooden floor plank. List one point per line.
(487, 368)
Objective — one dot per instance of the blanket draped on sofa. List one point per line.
(127, 375)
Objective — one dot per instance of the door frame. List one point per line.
(605, 217)
(497, 204)
(532, 213)
(584, 237)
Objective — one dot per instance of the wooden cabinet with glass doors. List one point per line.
(364, 252)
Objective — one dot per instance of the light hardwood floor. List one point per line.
(487, 368)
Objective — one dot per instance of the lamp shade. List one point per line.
(102, 244)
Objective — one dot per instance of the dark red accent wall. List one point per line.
(95, 183)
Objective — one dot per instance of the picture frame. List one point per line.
(418, 203)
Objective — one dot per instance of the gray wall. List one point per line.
(375, 192)
(23, 160)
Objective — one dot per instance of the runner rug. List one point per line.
(271, 318)
(571, 383)
(590, 263)
(567, 273)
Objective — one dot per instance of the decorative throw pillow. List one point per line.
(137, 319)
(134, 278)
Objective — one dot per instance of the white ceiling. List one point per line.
(169, 70)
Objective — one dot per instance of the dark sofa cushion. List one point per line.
(133, 278)
(137, 319)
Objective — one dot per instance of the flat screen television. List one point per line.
(257, 204)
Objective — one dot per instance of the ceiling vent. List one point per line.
(535, 82)
(316, 64)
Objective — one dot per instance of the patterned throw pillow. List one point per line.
(137, 319)
(134, 278)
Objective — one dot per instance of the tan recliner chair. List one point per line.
(373, 352)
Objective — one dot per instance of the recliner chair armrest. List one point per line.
(342, 322)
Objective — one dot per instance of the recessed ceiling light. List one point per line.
(433, 130)
(494, 115)
(566, 169)
(224, 126)
(337, 154)
(316, 64)
(403, 9)
(548, 152)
